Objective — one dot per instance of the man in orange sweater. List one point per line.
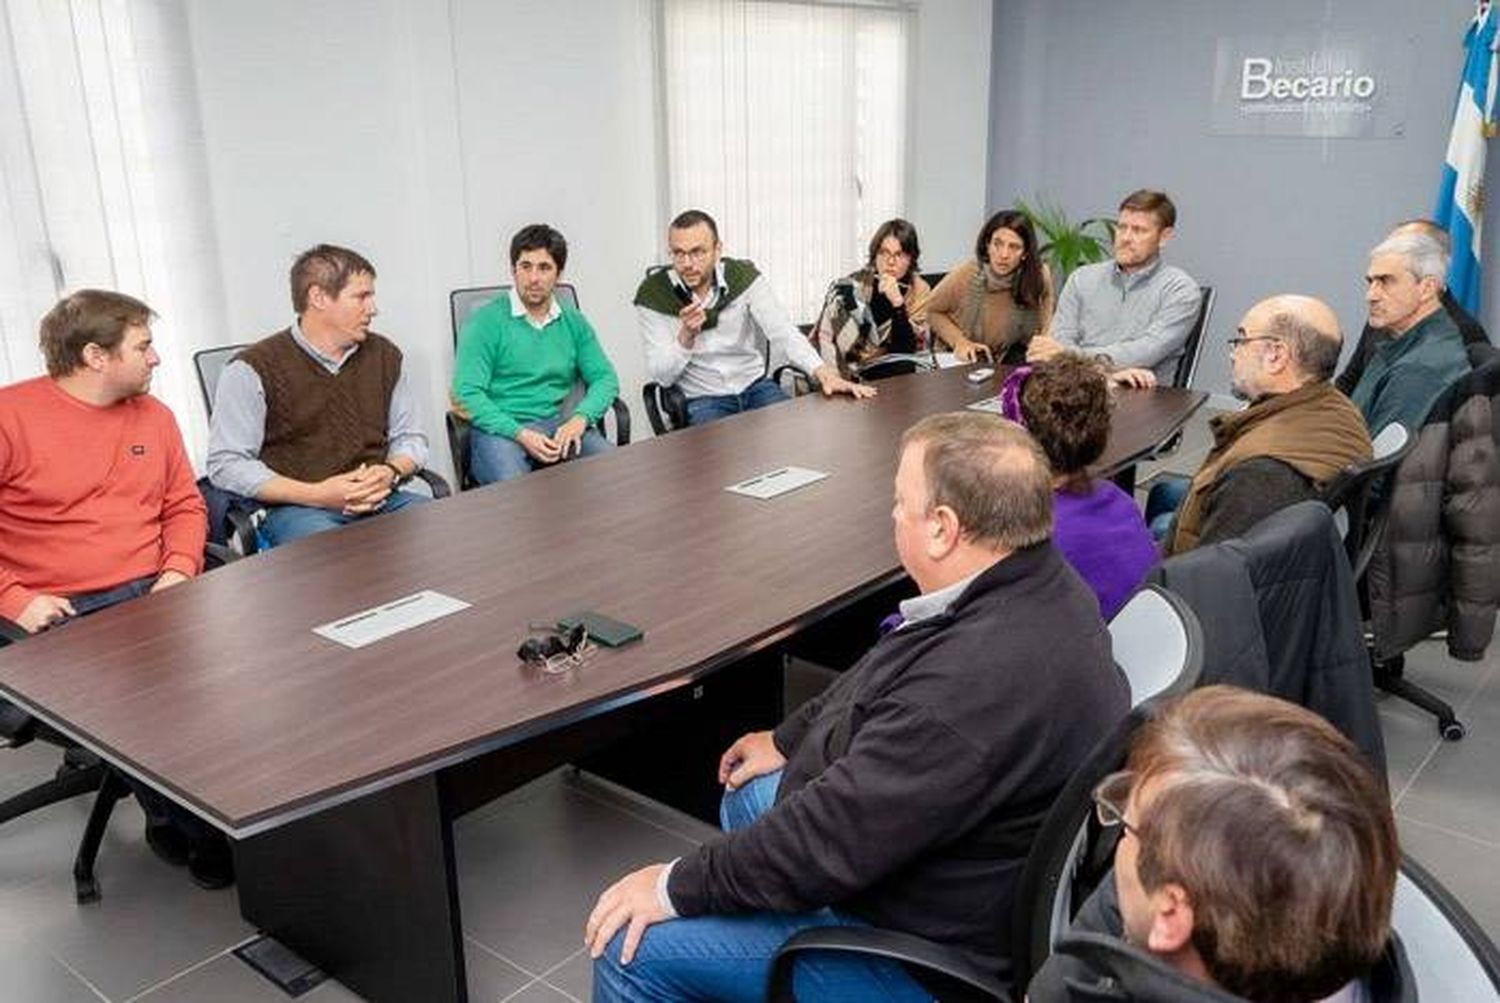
(98, 503)
(97, 499)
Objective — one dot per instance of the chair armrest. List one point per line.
(242, 537)
(659, 399)
(435, 481)
(10, 631)
(675, 401)
(649, 397)
(798, 375)
(622, 422)
(902, 947)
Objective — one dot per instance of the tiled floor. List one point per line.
(530, 865)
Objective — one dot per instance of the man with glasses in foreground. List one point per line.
(698, 319)
(1296, 434)
(1256, 860)
(906, 795)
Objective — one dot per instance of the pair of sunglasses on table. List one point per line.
(555, 648)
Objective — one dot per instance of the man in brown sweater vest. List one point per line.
(1297, 433)
(317, 421)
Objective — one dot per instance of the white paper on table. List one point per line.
(379, 622)
(776, 482)
(988, 404)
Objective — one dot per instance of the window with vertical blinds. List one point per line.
(786, 121)
(103, 182)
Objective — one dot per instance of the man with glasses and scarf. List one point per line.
(1256, 860)
(1296, 434)
(698, 319)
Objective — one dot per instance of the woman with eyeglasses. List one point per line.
(993, 305)
(879, 309)
(1064, 404)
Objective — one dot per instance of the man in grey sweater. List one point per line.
(1135, 311)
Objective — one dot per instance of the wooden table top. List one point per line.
(219, 693)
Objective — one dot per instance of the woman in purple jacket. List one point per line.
(1064, 403)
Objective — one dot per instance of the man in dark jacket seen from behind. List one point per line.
(907, 795)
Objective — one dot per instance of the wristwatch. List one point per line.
(395, 470)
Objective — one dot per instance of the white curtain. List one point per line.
(105, 180)
(786, 121)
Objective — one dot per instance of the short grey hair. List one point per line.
(1423, 254)
(1433, 230)
(1315, 350)
(990, 472)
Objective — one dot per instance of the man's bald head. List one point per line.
(1308, 327)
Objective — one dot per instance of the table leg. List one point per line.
(366, 891)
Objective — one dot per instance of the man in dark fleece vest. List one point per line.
(1297, 433)
(318, 421)
(698, 320)
(1256, 860)
(906, 795)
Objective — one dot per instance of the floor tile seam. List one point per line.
(602, 789)
(79, 976)
(639, 816)
(1415, 773)
(1456, 834)
(195, 966)
(487, 949)
(512, 995)
(548, 973)
(559, 989)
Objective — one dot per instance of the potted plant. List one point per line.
(1064, 245)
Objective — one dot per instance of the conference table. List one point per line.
(339, 771)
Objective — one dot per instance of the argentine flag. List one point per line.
(1461, 195)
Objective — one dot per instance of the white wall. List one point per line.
(950, 112)
(424, 133)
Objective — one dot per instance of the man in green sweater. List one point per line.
(519, 356)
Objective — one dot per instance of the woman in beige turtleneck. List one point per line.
(993, 305)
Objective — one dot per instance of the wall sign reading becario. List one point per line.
(1311, 85)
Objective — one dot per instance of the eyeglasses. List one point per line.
(558, 650)
(1110, 797)
(885, 255)
(1241, 338)
(695, 254)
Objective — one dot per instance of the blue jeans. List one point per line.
(1163, 502)
(761, 393)
(499, 458)
(285, 523)
(729, 957)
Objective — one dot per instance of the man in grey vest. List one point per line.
(318, 421)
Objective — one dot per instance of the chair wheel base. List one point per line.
(1451, 731)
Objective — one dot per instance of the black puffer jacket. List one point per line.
(1438, 565)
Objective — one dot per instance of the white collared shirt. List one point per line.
(518, 309)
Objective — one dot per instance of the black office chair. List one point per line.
(1192, 349)
(1158, 644)
(233, 519)
(1360, 498)
(80, 772)
(462, 303)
